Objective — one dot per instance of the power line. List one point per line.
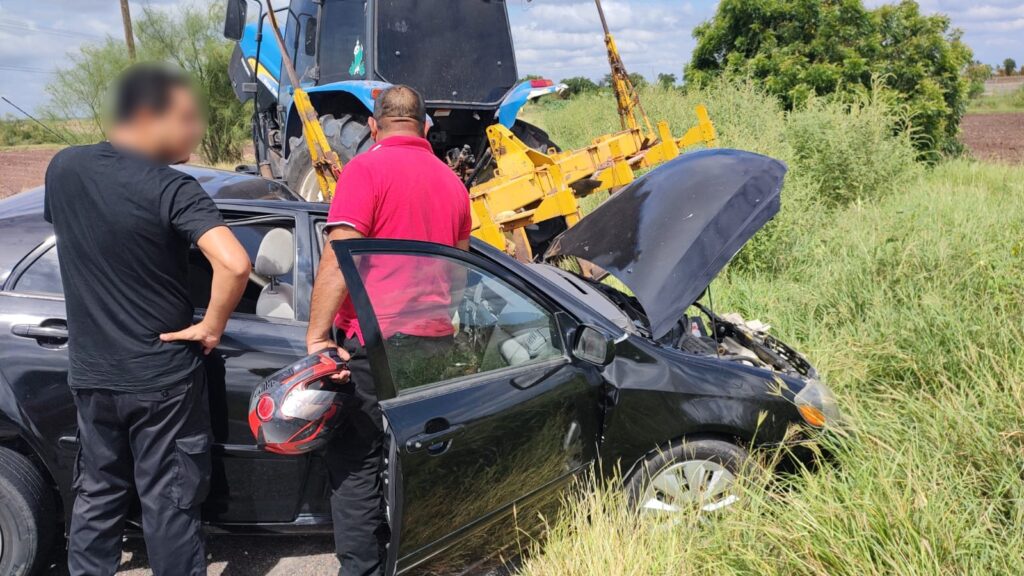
(24, 69)
(23, 27)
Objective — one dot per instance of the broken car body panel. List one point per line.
(669, 233)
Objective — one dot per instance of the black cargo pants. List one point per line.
(161, 440)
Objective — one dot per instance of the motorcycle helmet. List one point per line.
(295, 409)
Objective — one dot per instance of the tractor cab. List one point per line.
(457, 53)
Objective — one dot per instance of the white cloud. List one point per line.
(564, 38)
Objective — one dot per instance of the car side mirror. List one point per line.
(593, 346)
(234, 19)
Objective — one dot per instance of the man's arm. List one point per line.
(329, 292)
(231, 269)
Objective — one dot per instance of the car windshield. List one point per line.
(586, 293)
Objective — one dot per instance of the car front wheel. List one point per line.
(27, 515)
(686, 476)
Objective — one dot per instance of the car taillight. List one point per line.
(265, 408)
(541, 83)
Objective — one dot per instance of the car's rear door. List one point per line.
(34, 358)
(250, 485)
(487, 428)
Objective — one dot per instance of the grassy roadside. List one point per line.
(908, 298)
(1001, 104)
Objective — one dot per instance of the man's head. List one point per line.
(398, 110)
(155, 111)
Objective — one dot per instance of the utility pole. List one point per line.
(129, 36)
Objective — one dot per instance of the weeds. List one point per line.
(903, 285)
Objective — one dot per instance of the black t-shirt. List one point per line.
(124, 226)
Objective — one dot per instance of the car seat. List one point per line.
(276, 258)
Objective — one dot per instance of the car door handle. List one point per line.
(49, 332)
(434, 442)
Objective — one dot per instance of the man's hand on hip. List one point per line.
(201, 332)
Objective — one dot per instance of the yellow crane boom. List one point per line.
(531, 186)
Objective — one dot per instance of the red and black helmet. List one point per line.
(296, 408)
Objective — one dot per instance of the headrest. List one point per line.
(277, 253)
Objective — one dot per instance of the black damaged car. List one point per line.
(550, 371)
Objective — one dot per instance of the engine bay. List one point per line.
(727, 337)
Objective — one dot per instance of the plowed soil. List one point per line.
(23, 168)
(995, 137)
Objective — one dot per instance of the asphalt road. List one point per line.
(238, 556)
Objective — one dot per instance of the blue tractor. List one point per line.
(457, 53)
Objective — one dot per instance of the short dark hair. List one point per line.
(400, 103)
(146, 87)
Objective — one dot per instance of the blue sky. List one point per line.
(556, 38)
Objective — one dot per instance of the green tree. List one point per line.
(800, 48)
(189, 38)
(666, 80)
(977, 73)
(579, 85)
(1009, 66)
(638, 80)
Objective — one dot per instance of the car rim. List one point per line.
(683, 485)
(309, 188)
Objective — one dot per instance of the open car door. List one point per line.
(487, 413)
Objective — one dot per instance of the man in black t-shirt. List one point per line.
(124, 222)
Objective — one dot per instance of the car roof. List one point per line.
(21, 215)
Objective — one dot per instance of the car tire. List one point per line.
(348, 136)
(27, 515)
(698, 472)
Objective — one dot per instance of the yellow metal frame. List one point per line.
(326, 162)
(531, 186)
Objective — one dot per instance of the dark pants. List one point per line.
(159, 440)
(355, 454)
(353, 463)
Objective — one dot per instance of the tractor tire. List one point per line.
(348, 136)
(540, 234)
(28, 516)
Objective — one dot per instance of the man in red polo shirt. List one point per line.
(399, 190)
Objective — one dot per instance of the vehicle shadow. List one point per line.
(235, 556)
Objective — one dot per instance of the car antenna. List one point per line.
(36, 120)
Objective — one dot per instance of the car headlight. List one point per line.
(817, 405)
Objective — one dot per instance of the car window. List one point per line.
(42, 276)
(443, 318)
(270, 291)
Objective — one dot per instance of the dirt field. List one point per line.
(995, 137)
(23, 168)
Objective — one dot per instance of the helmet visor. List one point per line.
(307, 404)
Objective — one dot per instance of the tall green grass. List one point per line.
(1010, 102)
(905, 286)
(838, 152)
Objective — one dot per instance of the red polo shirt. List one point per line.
(399, 190)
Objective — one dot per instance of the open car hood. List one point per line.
(669, 233)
